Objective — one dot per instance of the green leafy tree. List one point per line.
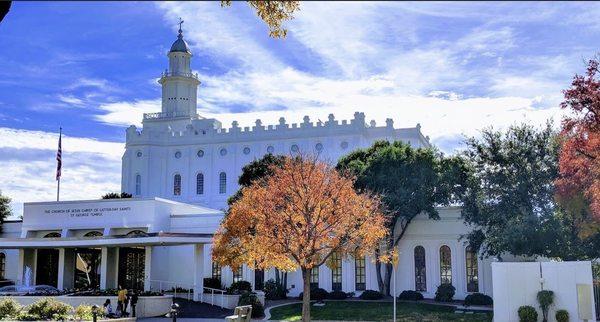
(410, 182)
(5, 210)
(510, 196)
(116, 195)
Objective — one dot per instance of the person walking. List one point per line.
(134, 300)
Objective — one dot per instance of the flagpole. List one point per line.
(59, 165)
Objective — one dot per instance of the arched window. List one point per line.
(420, 270)
(336, 272)
(2, 265)
(93, 234)
(52, 235)
(222, 182)
(138, 185)
(136, 233)
(360, 278)
(177, 185)
(200, 184)
(472, 270)
(445, 265)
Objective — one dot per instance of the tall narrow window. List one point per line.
(2, 265)
(420, 270)
(237, 274)
(177, 185)
(216, 271)
(222, 182)
(445, 265)
(336, 272)
(314, 278)
(200, 184)
(138, 185)
(360, 278)
(472, 270)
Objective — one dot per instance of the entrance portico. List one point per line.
(109, 243)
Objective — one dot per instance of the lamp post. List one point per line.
(174, 310)
(95, 313)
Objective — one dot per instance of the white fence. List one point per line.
(517, 284)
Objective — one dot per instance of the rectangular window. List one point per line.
(222, 183)
(336, 272)
(199, 184)
(138, 185)
(177, 185)
(216, 271)
(359, 274)
(472, 271)
(237, 274)
(314, 277)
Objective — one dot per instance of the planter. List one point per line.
(147, 306)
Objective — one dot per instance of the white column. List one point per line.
(61, 268)
(103, 268)
(147, 268)
(198, 271)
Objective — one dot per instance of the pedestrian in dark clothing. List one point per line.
(134, 300)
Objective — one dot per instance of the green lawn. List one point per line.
(377, 311)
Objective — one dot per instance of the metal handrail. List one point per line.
(175, 284)
(168, 74)
(212, 295)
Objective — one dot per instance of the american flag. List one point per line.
(59, 156)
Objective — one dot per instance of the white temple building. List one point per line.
(180, 169)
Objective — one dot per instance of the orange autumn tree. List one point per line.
(579, 164)
(296, 218)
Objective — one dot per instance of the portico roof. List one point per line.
(150, 239)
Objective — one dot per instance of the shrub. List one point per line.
(337, 295)
(213, 283)
(239, 287)
(562, 316)
(371, 295)
(317, 294)
(49, 309)
(445, 293)
(25, 316)
(258, 309)
(545, 299)
(9, 308)
(410, 295)
(478, 299)
(274, 291)
(84, 313)
(527, 314)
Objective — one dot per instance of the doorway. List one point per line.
(132, 261)
(46, 272)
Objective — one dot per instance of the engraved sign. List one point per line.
(87, 211)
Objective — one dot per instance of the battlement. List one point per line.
(202, 130)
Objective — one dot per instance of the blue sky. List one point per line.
(452, 67)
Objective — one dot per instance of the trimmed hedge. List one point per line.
(527, 314)
(317, 294)
(478, 299)
(258, 310)
(239, 287)
(49, 309)
(9, 308)
(562, 316)
(410, 295)
(445, 292)
(371, 295)
(274, 291)
(337, 295)
(213, 283)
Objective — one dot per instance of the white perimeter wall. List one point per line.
(517, 284)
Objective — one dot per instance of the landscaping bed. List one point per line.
(377, 311)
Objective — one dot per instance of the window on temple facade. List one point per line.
(222, 182)
(472, 270)
(216, 271)
(314, 277)
(200, 184)
(93, 234)
(2, 265)
(177, 185)
(52, 235)
(420, 270)
(445, 265)
(336, 272)
(360, 277)
(237, 274)
(138, 185)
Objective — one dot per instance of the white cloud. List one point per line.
(90, 167)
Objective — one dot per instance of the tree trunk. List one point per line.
(378, 270)
(388, 278)
(306, 295)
